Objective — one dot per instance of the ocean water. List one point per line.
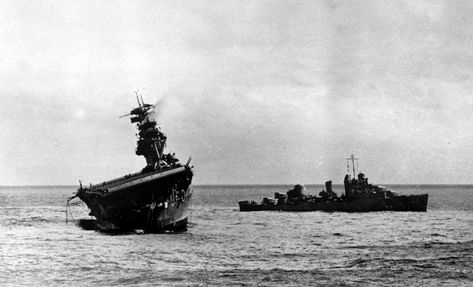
(224, 247)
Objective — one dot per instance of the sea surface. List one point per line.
(224, 247)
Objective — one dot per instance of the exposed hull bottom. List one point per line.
(397, 203)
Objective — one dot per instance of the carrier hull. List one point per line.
(157, 201)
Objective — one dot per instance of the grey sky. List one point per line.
(254, 91)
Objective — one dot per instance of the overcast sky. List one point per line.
(254, 91)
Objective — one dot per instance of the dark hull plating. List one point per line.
(360, 204)
(153, 202)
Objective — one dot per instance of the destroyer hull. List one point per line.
(156, 202)
(398, 203)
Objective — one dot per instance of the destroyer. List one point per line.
(359, 196)
(156, 199)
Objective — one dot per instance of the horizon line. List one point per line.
(255, 184)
